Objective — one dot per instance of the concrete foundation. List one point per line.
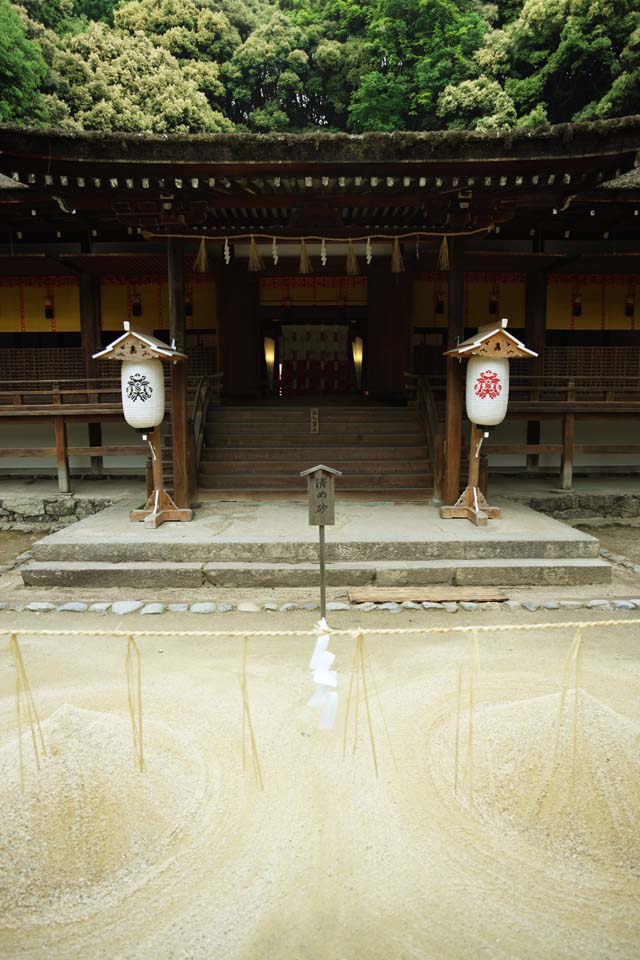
(269, 543)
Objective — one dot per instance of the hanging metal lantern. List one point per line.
(487, 390)
(142, 386)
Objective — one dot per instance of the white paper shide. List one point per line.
(325, 695)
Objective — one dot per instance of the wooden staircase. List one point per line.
(381, 450)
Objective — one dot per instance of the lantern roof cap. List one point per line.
(491, 339)
(153, 347)
(318, 468)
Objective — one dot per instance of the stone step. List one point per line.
(248, 451)
(72, 545)
(160, 574)
(279, 467)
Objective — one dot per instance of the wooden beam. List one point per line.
(179, 425)
(454, 395)
(91, 339)
(535, 337)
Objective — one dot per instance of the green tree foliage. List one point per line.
(22, 70)
(294, 65)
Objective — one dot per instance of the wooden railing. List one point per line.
(207, 391)
(90, 401)
(420, 391)
(536, 399)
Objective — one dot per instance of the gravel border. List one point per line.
(154, 608)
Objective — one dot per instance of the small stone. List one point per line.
(391, 607)
(247, 606)
(636, 568)
(366, 607)
(74, 606)
(570, 604)
(152, 608)
(202, 608)
(225, 607)
(489, 605)
(450, 607)
(531, 605)
(4, 606)
(615, 558)
(288, 607)
(468, 605)
(23, 527)
(126, 606)
(623, 605)
(604, 553)
(599, 605)
(551, 605)
(410, 605)
(511, 605)
(310, 605)
(178, 607)
(272, 607)
(37, 607)
(431, 605)
(635, 602)
(336, 605)
(629, 564)
(100, 607)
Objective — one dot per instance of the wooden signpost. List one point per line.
(322, 512)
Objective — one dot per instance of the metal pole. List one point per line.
(323, 585)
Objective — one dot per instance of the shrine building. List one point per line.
(315, 282)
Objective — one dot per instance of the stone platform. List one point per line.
(269, 543)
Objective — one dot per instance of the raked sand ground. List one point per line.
(536, 857)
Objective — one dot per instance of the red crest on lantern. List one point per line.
(488, 385)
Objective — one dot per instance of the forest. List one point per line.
(176, 66)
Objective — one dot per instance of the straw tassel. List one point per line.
(305, 262)
(227, 251)
(352, 262)
(255, 260)
(397, 263)
(443, 254)
(201, 263)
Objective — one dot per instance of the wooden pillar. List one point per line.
(91, 339)
(535, 324)
(62, 457)
(388, 332)
(179, 414)
(455, 382)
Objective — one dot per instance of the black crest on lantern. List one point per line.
(138, 388)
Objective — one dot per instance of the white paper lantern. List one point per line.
(142, 384)
(487, 390)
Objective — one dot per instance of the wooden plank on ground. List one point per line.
(437, 594)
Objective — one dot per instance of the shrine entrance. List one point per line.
(313, 359)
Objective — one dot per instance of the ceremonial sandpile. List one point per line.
(88, 828)
(527, 848)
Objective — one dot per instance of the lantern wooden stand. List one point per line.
(135, 348)
(495, 344)
(159, 507)
(471, 504)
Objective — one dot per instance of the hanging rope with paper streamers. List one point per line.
(443, 255)
(352, 262)
(397, 263)
(368, 254)
(274, 251)
(325, 696)
(255, 260)
(25, 707)
(227, 251)
(248, 735)
(201, 263)
(323, 252)
(132, 667)
(305, 263)
(359, 690)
